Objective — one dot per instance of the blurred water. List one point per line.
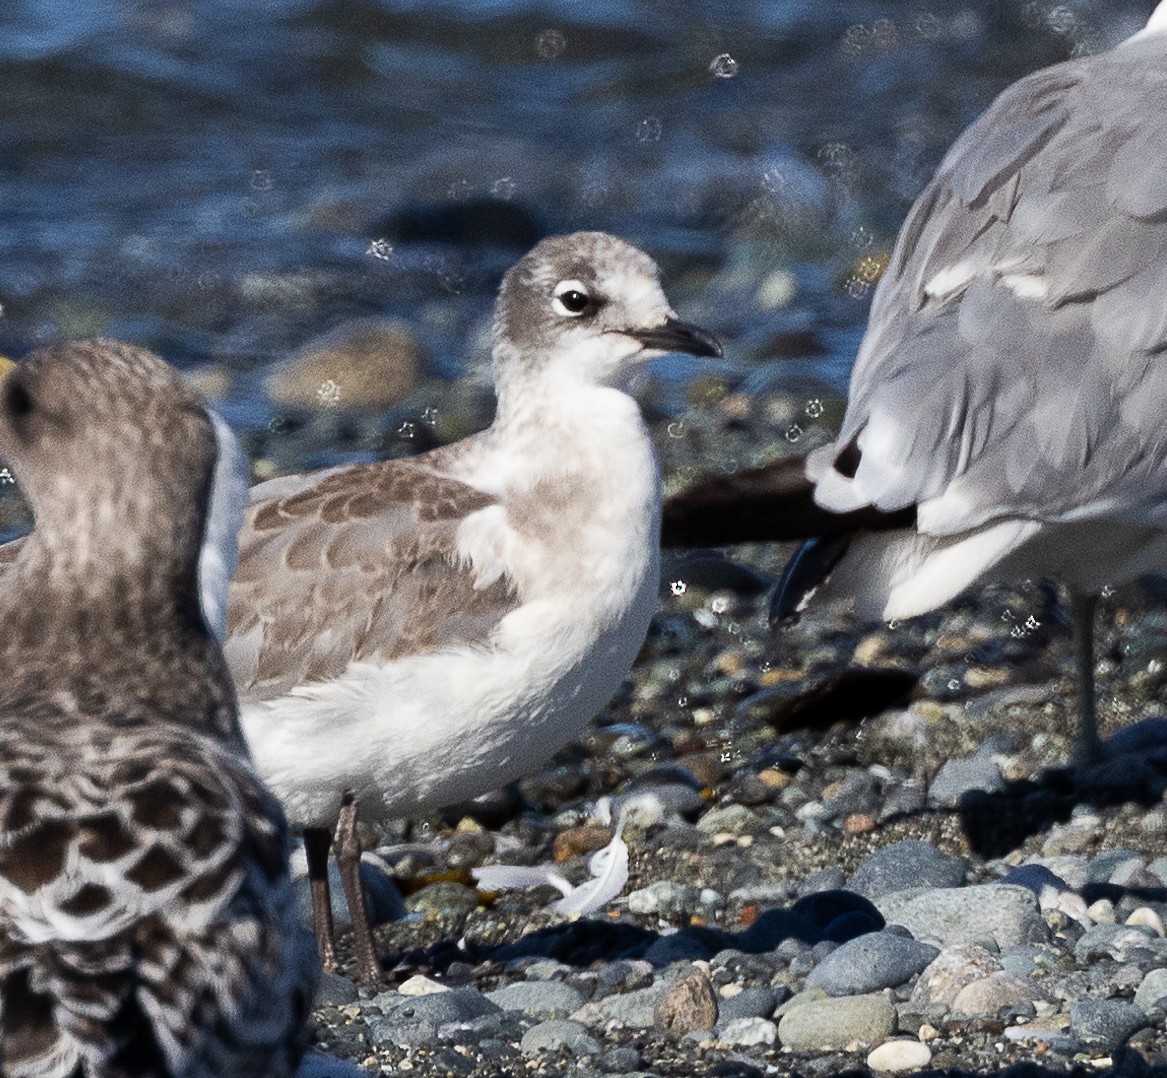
(212, 178)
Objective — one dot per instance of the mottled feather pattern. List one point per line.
(147, 921)
(1024, 298)
(143, 885)
(388, 530)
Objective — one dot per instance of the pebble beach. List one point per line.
(852, 848)
(901, 874)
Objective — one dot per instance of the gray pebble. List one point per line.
(335, 990)
(561, 1033)
(749, 1031)
(733, 819)
(830, 878)
(1002, 913)
(619, 1060)
(1152, 989)
(1117, 942)
(748, 1003)
(665, 897)
(635, 1009)
(410, 1020)
(1102, 867)
(539, 999)
(1159, 868)
(906, 864)
(834, 1023)
(871, 962)
(443, 900)
(959, 777)
(1106, 1023)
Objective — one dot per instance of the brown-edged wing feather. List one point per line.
(360, 563)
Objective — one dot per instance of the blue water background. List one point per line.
(212, 179)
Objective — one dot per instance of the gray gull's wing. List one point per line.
(357, 564)
(1014, 363)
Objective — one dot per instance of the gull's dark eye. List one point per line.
(571, 299)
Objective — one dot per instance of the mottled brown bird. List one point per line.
(147, 921)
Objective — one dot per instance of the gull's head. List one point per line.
(121, 461)
(581, 307)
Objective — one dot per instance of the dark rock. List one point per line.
(1106, 1023)
(905, 864)
(871, 962)
(748, 1003)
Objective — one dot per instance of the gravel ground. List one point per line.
(813, 890)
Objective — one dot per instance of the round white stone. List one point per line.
(894, 1056)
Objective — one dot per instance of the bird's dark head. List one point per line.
(580, 307)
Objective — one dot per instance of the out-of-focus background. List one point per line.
(226, 182)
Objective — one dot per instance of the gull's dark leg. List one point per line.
(317, 842)
(1089, 746)
(348, 857)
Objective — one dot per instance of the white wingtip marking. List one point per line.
(1156, 24)
(220, 550)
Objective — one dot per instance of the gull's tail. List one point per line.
(768, 504)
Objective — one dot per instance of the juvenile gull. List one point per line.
(1006, 407)
(147, 920)
(410, 634)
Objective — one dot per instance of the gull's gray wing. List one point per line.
(1015, 362)
(358, 563)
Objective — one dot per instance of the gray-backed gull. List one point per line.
(1006, 411)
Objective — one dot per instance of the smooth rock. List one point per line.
(364, 366)
(1104, 1024)
(335, 990)
(891, 1057)
(540, 999)
(411, 1020)
(1103, 865)
(561, 1033)
(732, 820)
(622, 1060)
(756, 1002)
(1116, 942)
(1152, 989)
(689, 1004)
(418, 985)
(959, 777)
(871, 962)
(989, 994)
(835, 1023)
(906, 864)
(1147, 918)
(748, 1031)
(665, 897)
(1008, 914)
(636, 1009)
(953, 969)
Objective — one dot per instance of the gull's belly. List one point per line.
(432, 730)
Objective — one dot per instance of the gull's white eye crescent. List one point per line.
(571, 298)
